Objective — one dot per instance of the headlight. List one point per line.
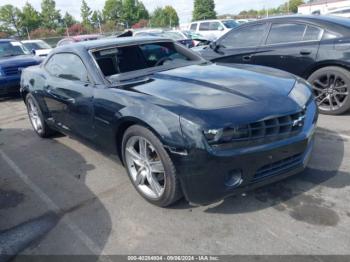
(301, 93)
(223, 135)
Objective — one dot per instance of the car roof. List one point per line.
(7, 40)
(321, 19)
(106, 42)
(32, 41)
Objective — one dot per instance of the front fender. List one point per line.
(164, 124)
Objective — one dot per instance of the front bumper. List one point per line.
(203, 174)
(9, 84)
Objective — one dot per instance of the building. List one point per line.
(322, 6)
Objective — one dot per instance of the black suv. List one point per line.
(316, 48)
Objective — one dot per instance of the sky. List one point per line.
(183, 7)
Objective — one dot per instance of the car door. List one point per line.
(240, 44)
(69, 94)
(290, 46)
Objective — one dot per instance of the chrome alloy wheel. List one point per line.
(145, 167)
(34, 116)
(331, 91)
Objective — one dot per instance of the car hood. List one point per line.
(21, 60)
(220, 94)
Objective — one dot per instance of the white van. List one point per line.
(213, 29)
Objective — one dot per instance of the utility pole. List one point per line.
(67, 31)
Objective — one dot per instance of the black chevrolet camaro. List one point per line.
(316, 48)
(180, 125)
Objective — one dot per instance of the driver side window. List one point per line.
(67, 66)
(247, 36)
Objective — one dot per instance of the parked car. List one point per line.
(180, 125)
(173, 35)
(78, 38)
(316, 48)
(14, 57)
(213, 29)
(197, 39)
(342, 12)
(37, 47)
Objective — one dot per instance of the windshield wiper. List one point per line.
(10, 55)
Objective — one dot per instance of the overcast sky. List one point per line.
(183, 7)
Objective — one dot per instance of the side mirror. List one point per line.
(33, 51)
(213, 45)
(221, 28)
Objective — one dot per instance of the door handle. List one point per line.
(247, 58)
(305, 52)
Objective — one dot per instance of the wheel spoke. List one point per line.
(318, 82)
(156, 166)
(143, 148)
(323, 100)
(134, 156)
(337, 101)
(155, 187)
(140, 178)
(341, 93)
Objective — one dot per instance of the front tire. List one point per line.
(331, 87)
(149, 167)
(36, 117)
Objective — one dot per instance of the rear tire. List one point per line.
(36, 118)
(331, 86)
(149, 167)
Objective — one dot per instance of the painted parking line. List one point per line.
(90, 244)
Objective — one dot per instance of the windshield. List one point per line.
(12, 49)
(173, 35)
(37, 45)
(192, 35)
(230, 23)
(119, 60)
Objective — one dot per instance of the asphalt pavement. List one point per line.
(58, 196)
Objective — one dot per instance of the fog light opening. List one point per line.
(233, 178)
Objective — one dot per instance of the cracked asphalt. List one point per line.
(58, 196)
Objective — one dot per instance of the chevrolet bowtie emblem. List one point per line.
(298, 122)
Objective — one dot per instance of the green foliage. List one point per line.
(49, 15)
(85, 12)
(31, 19)
(96, 18)
(164, 17)
(203, 9)
(68, 20)
(112, 10)
(10, 17)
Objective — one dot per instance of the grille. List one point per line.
(261, 132)
(278, 167)
(9, 71)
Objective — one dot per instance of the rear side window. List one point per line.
(204, 26)
(286, 33)
(248, 36)
(214, 26)
(67, 66)
(312, 33)
(193, 27)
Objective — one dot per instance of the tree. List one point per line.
(85, 12)
(203, 9)
(49, 15)
(96, 18)
(141, 13)
(30, 17)
(10, 17)
(157, 18)
(164, 17)
(293, 5)
(129, 13)
(171, 17)
(112, 10)
(68, 20)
